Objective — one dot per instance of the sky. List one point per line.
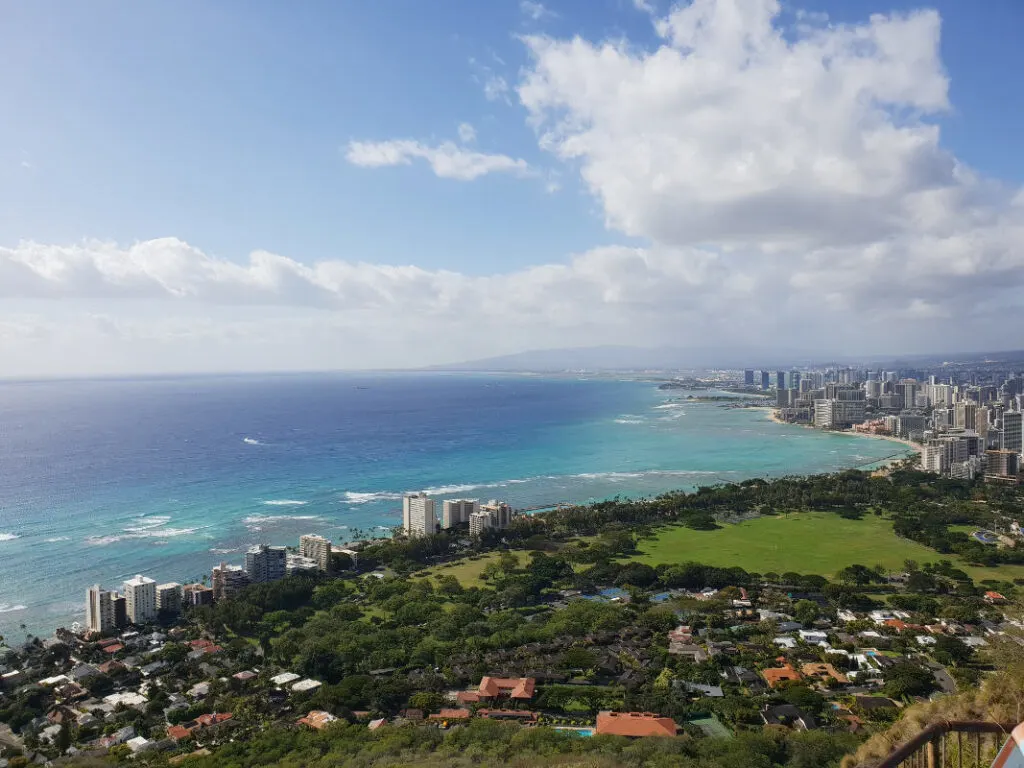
(250, 185)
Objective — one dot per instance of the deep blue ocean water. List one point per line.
(103, 479)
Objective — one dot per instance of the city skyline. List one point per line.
(351, 188)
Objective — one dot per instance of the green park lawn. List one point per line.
(805, 542)
(467, 570)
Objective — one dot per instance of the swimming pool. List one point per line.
(575, 731)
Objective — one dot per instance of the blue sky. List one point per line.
(226, 127)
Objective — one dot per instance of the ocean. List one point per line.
(103, 479)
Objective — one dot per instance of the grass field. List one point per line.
(466, 571)
(806, 542)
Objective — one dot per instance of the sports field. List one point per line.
(806, 542)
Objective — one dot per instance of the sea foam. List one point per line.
(9, 536)
(285, 503)
(8, 608)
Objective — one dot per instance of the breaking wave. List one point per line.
(285, 503)
(251, 441)
(8, 608)
(9, 536)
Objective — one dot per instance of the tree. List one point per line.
(905, 679)
(951, 651)
(806, 612)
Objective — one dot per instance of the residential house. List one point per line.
(789, 716)
(497, 688)
(776, 675)
(317, 719)
(202, 724)
(634, 724)
(824, 672)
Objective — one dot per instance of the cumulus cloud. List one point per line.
(467, 133)
(785, 187)
(447, 160)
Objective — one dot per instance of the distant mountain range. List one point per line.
(625, 358)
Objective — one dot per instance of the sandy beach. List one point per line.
(773, 415)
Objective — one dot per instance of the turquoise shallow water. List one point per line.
(104, 479)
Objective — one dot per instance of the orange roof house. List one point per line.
(634, 724)
(183, 731)
(823, 671)
(317, 719)
(451, 714)
(513, 687)
(777, 675)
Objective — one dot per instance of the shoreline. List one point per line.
(883, 464)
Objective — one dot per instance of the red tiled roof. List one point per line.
(451, 714)
(467, 697)
(515, 687)
(317, 719)
(185, 730)
(777, 675)
(112, 649)
(634, 724)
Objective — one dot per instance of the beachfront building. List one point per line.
(140, 599)
(228, 580)
(316, 548)
(99, 609)
(493, 514)
(457, 511)
(168, 597)
(298, 564)
(264, 563)
(419, 515)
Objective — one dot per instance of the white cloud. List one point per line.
(535, 11)
(447, 160)
(467, 133)
(788, 188)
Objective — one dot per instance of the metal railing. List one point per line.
(951, 744)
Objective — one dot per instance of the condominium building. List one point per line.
(140, 599)
(967, 415)
(419, 515)
(1012, 438)
(264, 563)
(228, 580)
(1002, 465)
(493, 514)
(748, 378)
(780, 379)
(457, 511)
(316, 548)
(300, 564)
(99, 609)
(766, 379)
(168, 597)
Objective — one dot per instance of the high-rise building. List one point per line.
(794, 380)
(457, 511)
(168, 597)
(780, 379)
(228, 580)
(748, 378)
(99, 609)
(766, 379)
(316, 548)
(120, 603)
(967, 415)
(1002, 465)
(1013, 440)
(140, 599)
(419, 515)
(493, 514)
(265, 563)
